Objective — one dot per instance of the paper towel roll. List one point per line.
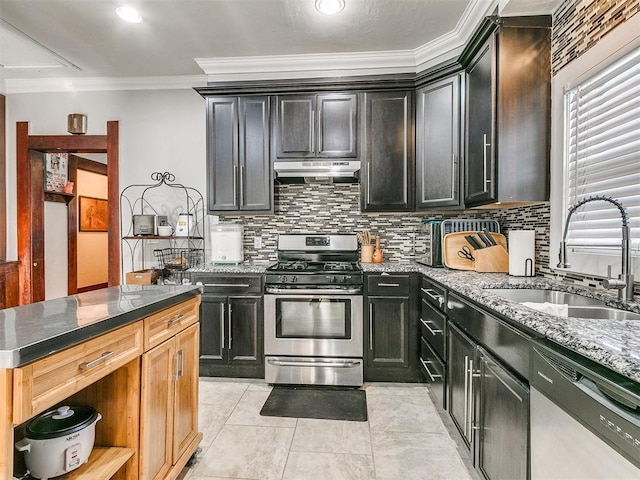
(522, 253)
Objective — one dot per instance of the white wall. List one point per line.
(160, 130)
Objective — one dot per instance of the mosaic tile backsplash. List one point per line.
(579, 24)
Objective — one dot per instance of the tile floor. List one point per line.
(404, 438)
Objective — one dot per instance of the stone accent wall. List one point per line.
(580, 24)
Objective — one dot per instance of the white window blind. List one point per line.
(603, 156)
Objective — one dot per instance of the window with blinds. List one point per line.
(603, 156)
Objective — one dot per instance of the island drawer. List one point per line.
(45, 382)
(167, 323)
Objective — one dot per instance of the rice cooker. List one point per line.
(59, 441)
(226, 243)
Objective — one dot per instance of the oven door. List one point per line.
(314, 325)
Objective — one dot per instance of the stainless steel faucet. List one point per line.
(624, 282)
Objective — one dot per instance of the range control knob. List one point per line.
(294, 279)
(332, 279)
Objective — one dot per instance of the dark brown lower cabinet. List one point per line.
(232, 327)
(391, 331)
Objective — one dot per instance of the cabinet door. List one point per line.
(480, 128)
(255, 183)
(502, 440)
(245, 326)
(388, 337)
(460, 360)
(337, 122)
(295, 126)
(438, 175)
(185, 411)
(388, 153)
(212, 329)
(222, 153)
(156, 411)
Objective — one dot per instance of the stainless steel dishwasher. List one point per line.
(585, 424)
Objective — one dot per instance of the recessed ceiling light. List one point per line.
(129, 14)
(329, 7)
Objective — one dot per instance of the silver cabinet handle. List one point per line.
(181, 364)
(235, 183)
(241, 185)
(470, 399)
(484, 167)
(466, 391)
(97, 361)
(221, 328)
(432, 376)
(388, 284)
(171, 323)
(313, 131)
(229, 316)
(241, 285)
(454, 175)
(370, 327)
(431, 330)
(432, 294)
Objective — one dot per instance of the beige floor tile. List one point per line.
(213, 392)
(403, 413)
(259, 387)
(396, 389)
(247, 412)
(328, 466)
(246, 452)
(416, 456)
(331, 436)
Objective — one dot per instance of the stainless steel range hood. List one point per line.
(310, 171)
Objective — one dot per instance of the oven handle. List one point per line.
(313, 291)
(345, 364)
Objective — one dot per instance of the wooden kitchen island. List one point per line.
(131, 352)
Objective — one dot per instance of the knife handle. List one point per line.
(484, 239)
(489, 236)
(473, 242)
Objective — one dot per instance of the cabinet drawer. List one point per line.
(229, 284)
(433, 370)
(397, 285)
(165, 324)
(433, 293)
(43, 383)
(432, 326)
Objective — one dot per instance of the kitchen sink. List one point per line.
(536, 295)
(579, 305)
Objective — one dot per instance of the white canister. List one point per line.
(522, 253)
(184, 227)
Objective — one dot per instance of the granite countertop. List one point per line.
(244, 267)
(612, 343)
(33, 331)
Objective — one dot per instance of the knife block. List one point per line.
(491, 259)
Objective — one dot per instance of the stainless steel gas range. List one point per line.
(313, 318)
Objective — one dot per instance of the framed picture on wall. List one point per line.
(93, 214)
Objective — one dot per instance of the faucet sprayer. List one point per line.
(624, 282)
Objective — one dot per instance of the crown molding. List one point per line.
(92, 84)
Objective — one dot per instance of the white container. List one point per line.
(184, 227)
(226, 243)
(59, 441)
(522, 253)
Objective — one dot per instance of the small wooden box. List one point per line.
(142, 277)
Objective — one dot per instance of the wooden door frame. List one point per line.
(30, 197)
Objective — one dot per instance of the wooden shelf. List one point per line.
(59, 197)
(103, 464)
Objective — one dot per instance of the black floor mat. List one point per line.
(316, 402)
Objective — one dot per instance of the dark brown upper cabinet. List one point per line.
(438, 144)
(315, 126)
(239, 174)
(508, 105)
(388, 165)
